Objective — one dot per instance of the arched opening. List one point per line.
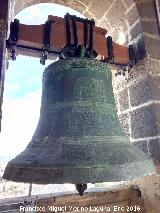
(119, 17)
(22, 97)
(126, 21)
(31, 79)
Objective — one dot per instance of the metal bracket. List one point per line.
(85, 33)
(132, 54)
(46, 41)
(75, 49)
(110, 50)
(91, 23)
(14, 30)
(68, 31)
(74, 23)
(78, 51)
(110, 58)
(125, 70)
(13, 39)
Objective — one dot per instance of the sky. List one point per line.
(22, 94)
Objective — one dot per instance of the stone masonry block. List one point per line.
(116, 12)
(85, 2)
(155, 87)
(143, 122)
(78, 6)
(3, 33)
(88, 15)
(128, 3)
(140, 92)
(121, 27)
(3, 8)
(152, 47)
(142, 145)
(105, 24)
(154, 150)
(146, 90)
(98, 8)
(157, 116)
(124, 120)
(146, 8)
(135, 31)
(132, 15)
(123, 100)
(150, 27)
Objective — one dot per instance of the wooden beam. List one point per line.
(31, 36)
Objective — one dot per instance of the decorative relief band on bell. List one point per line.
(84, 140)
(67, 64)
(94, 106)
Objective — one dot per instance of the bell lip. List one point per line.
(91, 174)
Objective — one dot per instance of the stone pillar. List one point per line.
(138, 101)
(4, 8)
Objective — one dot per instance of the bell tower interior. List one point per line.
(136, 88)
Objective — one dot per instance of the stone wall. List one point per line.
(139, 105)
(150, 189)
(4, 7)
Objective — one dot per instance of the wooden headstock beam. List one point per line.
(30, 40)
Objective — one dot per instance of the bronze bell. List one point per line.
(79, 138)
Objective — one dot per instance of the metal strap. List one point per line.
(47, 34)
(92, 23)
(68, 31)
(132, 55)
(74, 22)
(46, 41)
(110, 49)
(85, 33)
(14, 31)
(13, 39)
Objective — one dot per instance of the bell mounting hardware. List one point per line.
(47, 40)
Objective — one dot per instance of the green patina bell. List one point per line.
(79, 138)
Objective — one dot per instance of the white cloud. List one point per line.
(31, 80)
(11, 87)
(35, 12)
(19, 121)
